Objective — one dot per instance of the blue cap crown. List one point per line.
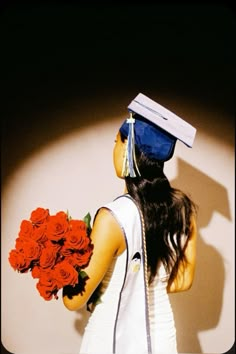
(154, 142)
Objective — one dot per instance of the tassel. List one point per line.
(130, 158)
(125, 167)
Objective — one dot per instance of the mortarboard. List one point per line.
(155, 130)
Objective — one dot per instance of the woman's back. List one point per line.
(120, 317)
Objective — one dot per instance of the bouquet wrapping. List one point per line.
(55, 249)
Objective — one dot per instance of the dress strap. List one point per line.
(145, 275)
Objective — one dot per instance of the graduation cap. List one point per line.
(155, 130)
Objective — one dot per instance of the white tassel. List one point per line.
(130, 150)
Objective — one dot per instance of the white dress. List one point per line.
(125, 321)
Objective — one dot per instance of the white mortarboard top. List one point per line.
(162, 117)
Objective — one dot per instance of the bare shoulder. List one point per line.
(107, 229)
(106, 220)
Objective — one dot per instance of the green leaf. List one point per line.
(83, 274)
(87, 220)
(68, 215)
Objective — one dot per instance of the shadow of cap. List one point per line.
(209, 195)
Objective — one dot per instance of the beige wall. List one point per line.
(71, 168)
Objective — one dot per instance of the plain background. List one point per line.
(68, 73)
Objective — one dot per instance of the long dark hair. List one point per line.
(167, 213)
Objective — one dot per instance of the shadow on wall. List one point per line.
(199, 308)
(81, 320)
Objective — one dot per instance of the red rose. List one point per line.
(47, 285)
(26, 229)
(39, 234)
(36, 272)
(39, 216)
(57, 227)
(69, 258)
(78, 226)
(65, 252)
(65, 274)
(55, 245)
(19, 245)
(62, 214)
(18, 261)
(32, 250)
(76, 240)
(48, 257)
(81, 259)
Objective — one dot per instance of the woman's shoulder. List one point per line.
(122, 208)
(123, 202)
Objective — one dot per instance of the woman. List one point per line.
(144, 242)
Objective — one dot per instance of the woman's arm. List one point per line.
(185, 274)
(108, 241)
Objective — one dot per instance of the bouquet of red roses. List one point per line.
(55, 248)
